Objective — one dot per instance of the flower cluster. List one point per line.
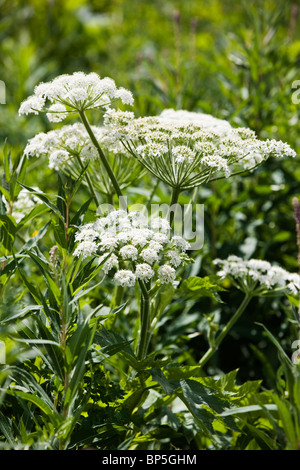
(257, 276)
(136, 249)
(76, 92)
(206, 121)
(187, 149)
(69, 148)
(61, 145)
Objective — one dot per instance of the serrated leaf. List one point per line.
(159, 377)
(182, 372)
(205, 404)
(111, 343)
(201, 287)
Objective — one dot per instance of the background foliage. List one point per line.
(235, 60)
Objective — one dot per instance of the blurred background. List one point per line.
(236, 60)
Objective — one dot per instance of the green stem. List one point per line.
(89, 182)
(101, 154)
(117, 297)
(174, 199)
(225, 330)
(145, 330)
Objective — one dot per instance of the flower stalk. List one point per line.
(145, 327)
(103, 158)
(213, 348)
(174, 200)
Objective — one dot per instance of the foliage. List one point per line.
(73, 377)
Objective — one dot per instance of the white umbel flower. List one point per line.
(166, 274)
(125, 278)
(257, 276)
(61, 145)
(186, 150)
(33, 104)
(86, 248)
(78, 92)
(129, 252)
(180, 242)
(144, 272)
(129, 243)
(150, 255)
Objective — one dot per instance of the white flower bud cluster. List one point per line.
(138, 250)
(78, 92)
(257, 276)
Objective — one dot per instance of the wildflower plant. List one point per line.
(109, 281)
(255, 278)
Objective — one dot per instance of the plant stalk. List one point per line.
(101, 154)
(174, 199)
(145, 330)
(225, 330)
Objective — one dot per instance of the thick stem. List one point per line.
(225, 330)
(101, 154)
(145, 330)
(174, 199)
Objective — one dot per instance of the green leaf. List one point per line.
(264, 441)
(12, 314)
(55, 291)
(6, 429)
(179, 372)
(77, 219)
(159, 377)
(25, 379)
(111, 343)
(33, 291)
(38, 210)
(201, 287)
(39, 403)
(287, 421)
(205, 404)
(76, 184)
(32, 242)
(8, 228)
(43, 197)
(79, 369)
(248, 409)
(281, 351)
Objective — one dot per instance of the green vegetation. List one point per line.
(148, 363)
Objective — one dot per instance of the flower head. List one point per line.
(257, 276)
(188, 149)
(130, 244)
(76, 92)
